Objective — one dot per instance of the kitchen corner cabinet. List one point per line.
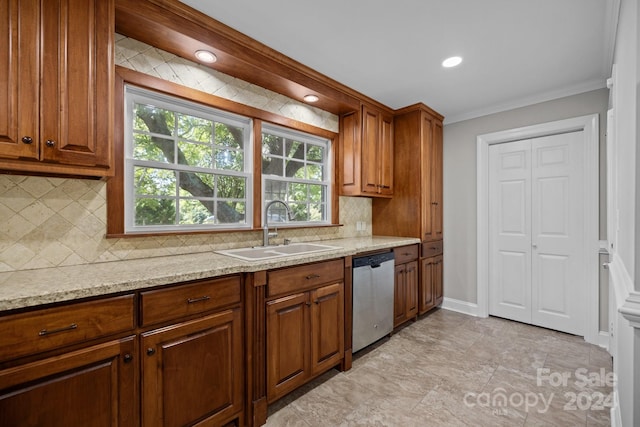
(193, 362)
(366, 153)
(406, 284)
(57, 75)
(305, 329)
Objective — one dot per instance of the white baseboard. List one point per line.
(603, 340)
(460, 306)
(616, 418)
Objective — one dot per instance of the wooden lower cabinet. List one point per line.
(406, 293)
(192, 372)
(431, 290)
(94, 386)
(305, 337)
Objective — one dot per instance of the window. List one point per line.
(296, 170)
(187, 166)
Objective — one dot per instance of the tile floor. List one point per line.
(450, 369)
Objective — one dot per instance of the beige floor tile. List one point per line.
(449, 369)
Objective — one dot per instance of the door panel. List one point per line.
(510, 231)
(558, 233)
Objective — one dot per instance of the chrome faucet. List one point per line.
(265, 224)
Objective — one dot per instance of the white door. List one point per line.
(536, 242)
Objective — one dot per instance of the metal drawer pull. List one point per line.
(193, 300)
(312, 276)
(55, 331)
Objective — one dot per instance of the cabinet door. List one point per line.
(438, 293)
(287, 344)
(426, 284)
(400, 295)
(19, 78)
(77, 82)
(370, 151)
(193, 371)
(385, 155)
(411, 289)
(95, 386)
(436, 182)
(327, 327)
(426, 176)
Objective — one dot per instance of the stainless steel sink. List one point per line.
(259, 253)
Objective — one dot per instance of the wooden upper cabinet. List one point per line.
(56, 110)
(431, 176)
(366, 153)
(417, 178)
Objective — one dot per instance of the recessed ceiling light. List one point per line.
(206, 56)
(311, 98)
(452, 62)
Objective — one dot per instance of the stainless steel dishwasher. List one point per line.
(372, 298)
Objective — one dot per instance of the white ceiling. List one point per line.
(516, 52)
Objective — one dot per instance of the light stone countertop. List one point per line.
(29, 288)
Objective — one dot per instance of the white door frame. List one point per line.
(589, 125)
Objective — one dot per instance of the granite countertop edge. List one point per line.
(32, 288)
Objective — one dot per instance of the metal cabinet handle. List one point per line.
(151, 351)
(55, 331)
(27, 139)
(194, 300)
(312, 276)
(127, 358)
(50, 142)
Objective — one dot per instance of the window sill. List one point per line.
(239, 230)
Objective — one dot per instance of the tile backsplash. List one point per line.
(49, 222)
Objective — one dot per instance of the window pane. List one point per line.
(197, 155)
(155, 211)
(229, 136)
(229, 160)
(274, 190)
(231, 187)
(154, 182)
(294, 150)
(231, 212)
(194, 128)
(316, 193)
(316, 212)
(155, 149)
(315, 172)
(295, 169)
(315, 153)
(299, 211)
(272, 144)
(193, 211)
(153, 119)
(298, 192)
(196, 184)
(272, 166)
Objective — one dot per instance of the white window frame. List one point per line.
(326, 182)
(135, 95)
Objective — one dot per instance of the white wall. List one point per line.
(460, 178)
(625, 260)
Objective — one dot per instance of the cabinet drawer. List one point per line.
(295, 279)
(430, 249)
(190, 298)
(47, 329)
(405, 254)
